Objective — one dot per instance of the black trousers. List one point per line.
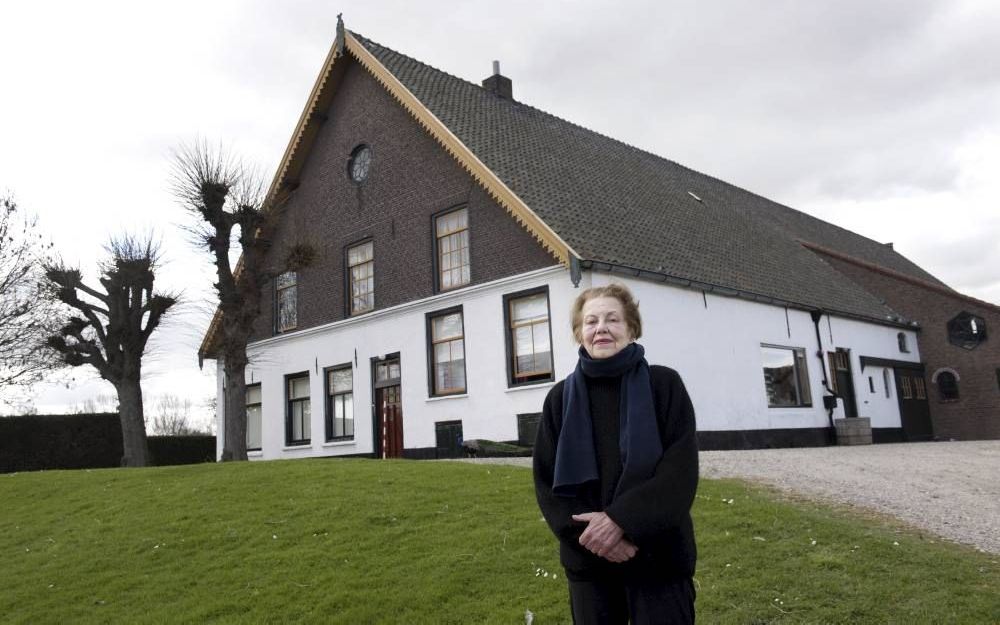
(639, 602)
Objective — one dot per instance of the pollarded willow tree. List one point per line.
(111, 326)
(234, 215)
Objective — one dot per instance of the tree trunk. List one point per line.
(133, 424)
(235, 410)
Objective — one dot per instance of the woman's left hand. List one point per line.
(602, 533)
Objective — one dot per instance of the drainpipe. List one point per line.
(816, 316)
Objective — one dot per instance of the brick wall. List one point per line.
(411, 179)
(976, 414)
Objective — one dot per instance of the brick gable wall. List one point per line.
(411, 179)
(976, 414)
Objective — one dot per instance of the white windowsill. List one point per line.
(255, 454)
(529, 387)
(340, 443)
(444, 397)
(297, 447)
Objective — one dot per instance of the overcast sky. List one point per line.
(881, 117)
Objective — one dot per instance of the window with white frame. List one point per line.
(253, 417)
(529, 339)
(451, 234)
(361, 277)
(340, 403)
(786, 377)
(286, 301)
(446, 338)
(298, 411)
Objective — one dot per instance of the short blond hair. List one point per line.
(620, 292)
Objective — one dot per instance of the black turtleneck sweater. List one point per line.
(656, 514)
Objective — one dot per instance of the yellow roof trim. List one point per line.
(465, 157)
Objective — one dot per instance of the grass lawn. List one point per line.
(360, 541)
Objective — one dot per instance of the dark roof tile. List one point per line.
(616, 204)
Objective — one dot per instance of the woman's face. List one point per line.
(604, 331)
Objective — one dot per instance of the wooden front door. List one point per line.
(914, 411)
(388, 407)
(391, 410)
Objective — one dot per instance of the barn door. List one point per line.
(914, 412)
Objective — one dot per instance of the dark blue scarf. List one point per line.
(638, 438)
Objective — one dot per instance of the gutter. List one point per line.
(816, 315)
(655, 276)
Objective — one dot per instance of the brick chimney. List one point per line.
(498, 83)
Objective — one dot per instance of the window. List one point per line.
(885, 381)
(786, 378)
(998, 378)
(529, 338)
(901, 339)
(361, 277)
(286, 298)
(360, 163)
(920, 388)
(871, 384)
(387, 371)
(340, 403)
(966, 330)
(451, 232)
(905, 387)
(947, 386)
(253, 417)
(447, 352)
(299, 410)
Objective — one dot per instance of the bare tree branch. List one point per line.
(28, 311)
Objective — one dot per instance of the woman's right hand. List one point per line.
(622, 551)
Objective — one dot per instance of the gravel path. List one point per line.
(951, 489)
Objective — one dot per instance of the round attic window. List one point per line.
(360, 163)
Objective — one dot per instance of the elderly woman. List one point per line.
(616, 469)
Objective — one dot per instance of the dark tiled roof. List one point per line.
(619, 205)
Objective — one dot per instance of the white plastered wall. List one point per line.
(713, 341)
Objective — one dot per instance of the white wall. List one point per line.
(487, 410)
(713, 341)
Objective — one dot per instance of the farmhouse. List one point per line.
(453, 226)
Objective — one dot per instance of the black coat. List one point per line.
(656, 514)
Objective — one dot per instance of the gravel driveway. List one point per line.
(951, 489)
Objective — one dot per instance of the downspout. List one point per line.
(816, 316)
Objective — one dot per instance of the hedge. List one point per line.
(86, 441)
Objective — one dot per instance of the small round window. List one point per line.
(360, 163)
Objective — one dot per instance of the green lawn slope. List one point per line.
(361, 541)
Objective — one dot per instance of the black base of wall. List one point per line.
(719, 440)
(791, 437)
(420, 453)
(713, 440)
(888, 435)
